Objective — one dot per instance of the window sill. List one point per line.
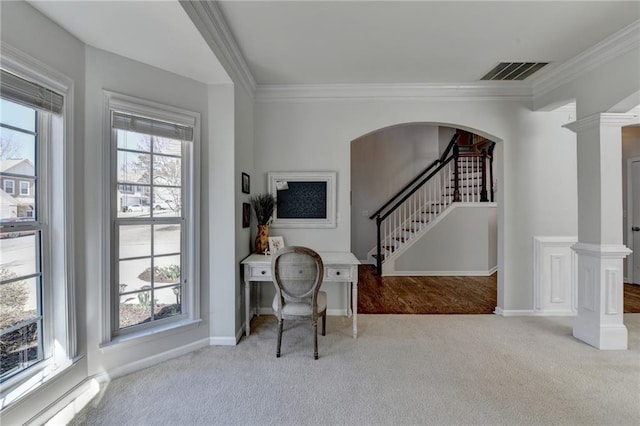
(23, 384)
(144, 336)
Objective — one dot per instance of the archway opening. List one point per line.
(445, 238)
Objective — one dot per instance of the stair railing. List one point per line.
(414, 183)
(405, 197)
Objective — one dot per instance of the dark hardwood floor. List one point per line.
(631, 299)
(441, 295)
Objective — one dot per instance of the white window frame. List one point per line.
(190, 299)
(28, 191)
(5, 187)
(56, 211)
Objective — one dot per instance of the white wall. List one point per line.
(106, 71)
(461, 243)
(220, 206)
(381, 164)
(537, 174)
(27, 30)
(230, 154)
(244, 147)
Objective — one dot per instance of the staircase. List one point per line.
(462, 174)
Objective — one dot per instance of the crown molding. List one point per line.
(481, 91)
(210, 22)
(621, 42)
(602, 120)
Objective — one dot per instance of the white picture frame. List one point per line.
(275, 244)
(306, 199)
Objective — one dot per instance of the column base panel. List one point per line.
(603, 337)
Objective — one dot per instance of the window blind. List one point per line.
(163, 129)
(32, 95)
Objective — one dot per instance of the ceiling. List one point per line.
(158, 33)
(349, 42)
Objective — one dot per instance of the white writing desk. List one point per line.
(338, 267)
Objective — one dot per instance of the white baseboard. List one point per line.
(69, 405)
(225, 341)
(330, 312)
(532, 313)
(443, 273)
(152, 360)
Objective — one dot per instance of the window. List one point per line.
(29, 275)
(21, 269)
(37, 320)
(24, 187)
(9, 186)
(152, 194)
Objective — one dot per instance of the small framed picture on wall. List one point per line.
(246, 183)
(246, 215)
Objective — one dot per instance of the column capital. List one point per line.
(603, 251)
(605, 119)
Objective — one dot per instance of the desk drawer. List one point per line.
(260, 272)
(338, 273)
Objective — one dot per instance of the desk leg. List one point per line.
(354, 303)
(247, 307)
(258, 299)
(349, 298)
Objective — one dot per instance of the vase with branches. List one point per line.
(263, 206)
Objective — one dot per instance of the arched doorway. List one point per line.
(459, 238)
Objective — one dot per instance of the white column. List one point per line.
(600, 250)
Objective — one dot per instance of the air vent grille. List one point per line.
(513, 70)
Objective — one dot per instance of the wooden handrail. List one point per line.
(442, 158)
(409, 194)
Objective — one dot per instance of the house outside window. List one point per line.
(153, 182)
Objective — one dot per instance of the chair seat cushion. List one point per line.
(293, 308)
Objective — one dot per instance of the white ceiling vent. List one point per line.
(513, 70)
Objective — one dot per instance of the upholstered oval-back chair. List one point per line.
(297, 275)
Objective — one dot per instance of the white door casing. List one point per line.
(634, 207)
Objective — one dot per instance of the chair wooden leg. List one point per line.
(324, 324)
(280, 324)
(315, 339)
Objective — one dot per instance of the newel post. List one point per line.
(456, 174)
(483, 192)
(379, 240)
(493, 145)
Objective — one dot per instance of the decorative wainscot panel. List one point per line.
(303, 199)
(554, 275)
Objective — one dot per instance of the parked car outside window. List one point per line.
(137, 208)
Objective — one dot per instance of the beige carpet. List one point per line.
(418, 370)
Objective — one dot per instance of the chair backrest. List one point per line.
(297, 273)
